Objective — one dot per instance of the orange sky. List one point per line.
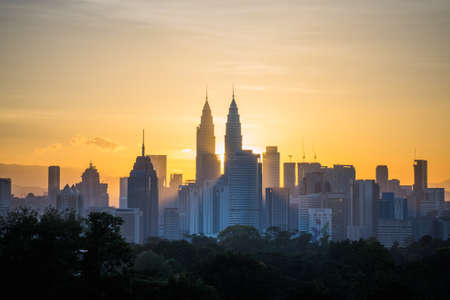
(361, 82)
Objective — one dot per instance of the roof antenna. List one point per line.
(303, 144)
(143, 142)
(206, 93)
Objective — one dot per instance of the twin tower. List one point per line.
(207, 163)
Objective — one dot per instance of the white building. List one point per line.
(320, 222)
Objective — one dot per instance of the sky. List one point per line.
(356, 82)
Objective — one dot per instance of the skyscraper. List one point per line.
(271, 167)
(420, 183)
(143, 192)
(123, 198)
(242, 180)
(93, 192)
(303, 169)
(277, 200)
(160, 164)
(5, 195)
(363, 212)
(420, 175)
(207, 163)
(289, 175)
(382, 176)
(70, 199)
(53, 184)
(233, 136)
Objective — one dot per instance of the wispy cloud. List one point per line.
(99, 142)
(47, 149)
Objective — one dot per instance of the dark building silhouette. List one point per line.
(233, 136)
(143, 192)
(420, 183)
(382, 176)
(207, 163)
(277, 200)
(289, 175)
(5, 195)
(93, 192)
(71, 199)
(53, 184)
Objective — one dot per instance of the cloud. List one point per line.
(50, 148)
(99, 142)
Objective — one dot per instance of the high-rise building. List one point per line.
(420, 184)
(382, 175)
(70, 198)
(390, 231)
(143, 193)
(242, 179)
(233, 136)
(93, 192)
(363, 213)
(171, 224)
(289, 175)
(175, 181)
(123, 198)
(420, 174)
(336, 202)
(271, 167)
(132, 226)
(320, 223)
(207, 163)
(53, 184)
(160, 165)
(277, 200)
(303, 169)
(432, 203)
(5, 195)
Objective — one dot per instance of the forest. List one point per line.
(60, 255)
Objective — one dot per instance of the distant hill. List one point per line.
(34, 179)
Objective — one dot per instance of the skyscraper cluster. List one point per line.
(326, 202)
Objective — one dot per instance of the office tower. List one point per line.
(5, 196)
(393, 186)
(93, 192)
(289, 175)
(336, 202)
(420, 175)
(233, 137)
(207, 163)
(320, 223)
(160, 165)
(386, 206)
(420, 184)
(315, 182)
(182, 204)
(302, 203)
(123, 198)
(400, 208)
(70, 198)
(363, 214)
(382, 176)
(242, 180)
(132, 226)
(175, 181)
(391, 231)
(271, 167)
(143, 192)
(433, 202)
(303, 169)
(262, 204)
(171, 224)
(277, 200)
(53, 184)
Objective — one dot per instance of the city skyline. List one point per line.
(356, 92)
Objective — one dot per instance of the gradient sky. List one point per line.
(361, 82)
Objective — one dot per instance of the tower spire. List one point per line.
(233, 91)
(143, 142)
(206, 93)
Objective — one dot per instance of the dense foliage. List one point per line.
(61, 256)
